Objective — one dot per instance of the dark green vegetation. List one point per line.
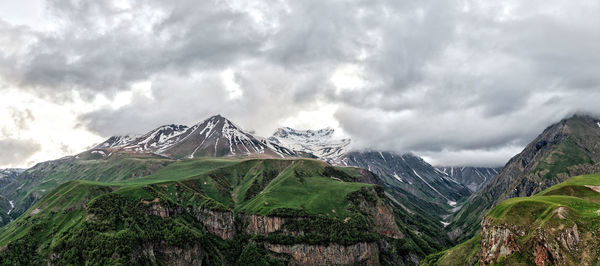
(559, 225)
(135, 210)
(565, 149)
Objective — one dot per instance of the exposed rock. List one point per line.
(170, 255)
(261, 225)
(383, 218)
(218, 223)
(551, 246)
(385, 223)
(333, 254)
(541, 256)
(497, 240)
(594, 188)
(159, 210)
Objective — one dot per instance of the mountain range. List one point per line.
(217, 194)
(434, 192)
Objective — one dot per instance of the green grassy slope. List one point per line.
(325, 196)
(573, 202)
(37, 181)
(106, 222)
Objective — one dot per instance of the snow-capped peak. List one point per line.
(322, 142)
(154, 141)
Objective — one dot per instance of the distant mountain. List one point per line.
(7, 206)
(568, 148)
(472, 177)
(412, 174)
(321, 143)
(213, 137)
(8, 175)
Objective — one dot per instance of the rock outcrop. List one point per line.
(333, 254)
(560, 245)
(218, 223)
(261, 225)
(498, 240)
(170, 255)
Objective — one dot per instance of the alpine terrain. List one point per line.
(472, 177)
(208, 194)
(568, 148)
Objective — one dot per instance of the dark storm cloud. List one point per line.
(447, 79)
(13, 151)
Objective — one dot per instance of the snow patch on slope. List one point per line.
(321, 143)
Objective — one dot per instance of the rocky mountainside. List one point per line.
(8, 175)
(412, 174)
(472, 177)
(558, 226)
(7, 206)
(217, 211)
(568, 148)
(213, 137)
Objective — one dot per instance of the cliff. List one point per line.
(333, 254)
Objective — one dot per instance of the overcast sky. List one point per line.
(458, 82)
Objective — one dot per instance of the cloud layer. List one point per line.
(460, 82)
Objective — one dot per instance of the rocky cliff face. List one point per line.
(382, 216)
(261, 225)
(219, 223)
(498, 240)
(560, 245)
(170, 255)
(333, 254)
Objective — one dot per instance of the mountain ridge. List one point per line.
(567, 148)
(215, 136)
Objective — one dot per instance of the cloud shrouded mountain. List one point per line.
(452, 81)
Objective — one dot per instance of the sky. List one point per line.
(457, 82)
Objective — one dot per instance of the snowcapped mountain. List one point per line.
(215, 136)
(219, 137)
(321, 143)
(472, 177)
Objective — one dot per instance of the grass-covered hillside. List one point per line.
(559, 225)
(216, 211)
(32, 184)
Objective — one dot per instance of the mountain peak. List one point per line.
(218, 117)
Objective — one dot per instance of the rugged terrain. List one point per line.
(558, 226)
(7, 206)
(214, 137)
(218, 211)
(472, 177)
(568, 148)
